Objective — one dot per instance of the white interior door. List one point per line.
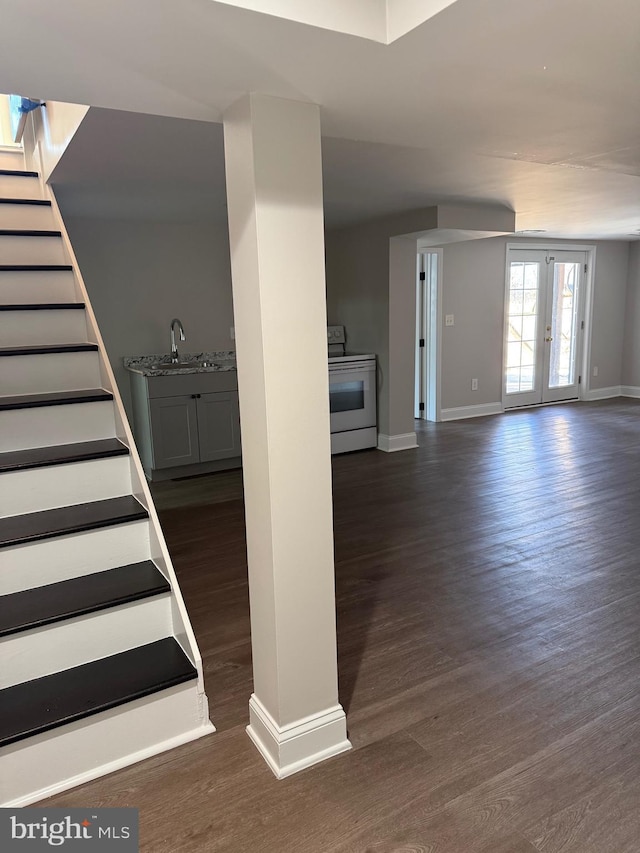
(543, 326)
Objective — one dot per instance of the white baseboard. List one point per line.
(460, 412)
(630, 391)
(288, 749)
(391, 443)
(602, 393)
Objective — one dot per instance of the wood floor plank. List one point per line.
(544, 783)
(594, 823)
(488, 652)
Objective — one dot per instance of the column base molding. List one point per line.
(288, 749)
(391, 443)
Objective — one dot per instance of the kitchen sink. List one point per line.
(177, 365)
(181, 365)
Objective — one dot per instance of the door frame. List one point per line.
(428, 359)
(589, 279)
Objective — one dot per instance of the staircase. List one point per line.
(99, 666)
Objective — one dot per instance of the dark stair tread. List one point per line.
(18, 173)
(35, 267)
(54, 398)
(41, 202)
(42, 457)
(73, 694)
(33, 608)
(44, 306)
(48, 523)
(28, 232)
(48, 349)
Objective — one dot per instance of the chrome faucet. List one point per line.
(175, 357)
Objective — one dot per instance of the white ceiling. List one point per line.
(530, 104)
(380, 20)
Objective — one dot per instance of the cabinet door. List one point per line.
(219, 426)
(174, 431)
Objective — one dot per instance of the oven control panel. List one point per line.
(335, 335)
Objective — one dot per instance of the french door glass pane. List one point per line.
(524, 283)
(563, 331)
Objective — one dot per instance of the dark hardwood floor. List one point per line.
(488, 589)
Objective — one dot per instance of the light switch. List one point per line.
(448, 320)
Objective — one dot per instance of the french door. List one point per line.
(543, 326)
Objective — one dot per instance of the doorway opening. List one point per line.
(428, 340)
(544, 326)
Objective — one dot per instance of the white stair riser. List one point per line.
(27, 288)
(51, 648)
(50, 425)
(12, 159)
(64, 557)
(36, 374)
(33, 216)
(64, 485)
(70, 755)
(19, 186)
(31, 250)
(29, 328)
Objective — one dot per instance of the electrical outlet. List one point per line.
(232, 333)
(474, 384)
(595, 371)
(448, 320)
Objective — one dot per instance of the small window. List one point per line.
(6, 137)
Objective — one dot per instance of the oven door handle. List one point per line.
(340, 369)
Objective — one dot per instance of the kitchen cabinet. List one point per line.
(174, 431)
(186, 424)
(218, 425)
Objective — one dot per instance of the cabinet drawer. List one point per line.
(191, 383)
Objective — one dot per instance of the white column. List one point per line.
(276, 229)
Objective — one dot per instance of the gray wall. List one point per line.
(357, 266)
(631, 349)
(473, 291)
(361, 273)
(141, 274)
(612, 259)
(473, 276)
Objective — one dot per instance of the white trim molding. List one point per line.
(459, 413)
(391, 443)
(630, 391)
(288, 749)
(603, 393)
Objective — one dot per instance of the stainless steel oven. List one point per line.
(352, 402)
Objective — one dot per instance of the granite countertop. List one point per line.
(150, 365)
